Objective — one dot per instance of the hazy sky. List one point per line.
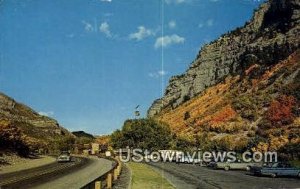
(88, 63)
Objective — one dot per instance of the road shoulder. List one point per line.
(26, 163)
(143, 176)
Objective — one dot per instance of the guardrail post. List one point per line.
(119, 167)
(98, 185)
(109, 180)
(117, 170)
(115, 174)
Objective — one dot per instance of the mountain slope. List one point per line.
(39, 128)
(242, 91)
(271, 35)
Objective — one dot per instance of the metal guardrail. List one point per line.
(106, 180)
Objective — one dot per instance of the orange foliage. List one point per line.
(103, 140)
(251, 68)
(227, 113)
(280, 111)
(200, 108)
(277, 142)
(261, 147)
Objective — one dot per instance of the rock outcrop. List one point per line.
(270, 36)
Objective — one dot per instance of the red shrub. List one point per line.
(280, 111)
(226, 114)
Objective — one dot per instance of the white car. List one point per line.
(235, 165)
(191, 160)
(64, 157)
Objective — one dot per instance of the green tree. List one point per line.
(142, 133)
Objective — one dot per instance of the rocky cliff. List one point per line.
(30, 122)
(270, 36)
(242, 92)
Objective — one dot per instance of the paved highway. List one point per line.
(73, 174)
(184, 176)
(22, 178)
(78, 178)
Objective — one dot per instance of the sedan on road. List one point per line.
(276, 169)
(64, 157)
(235, 165)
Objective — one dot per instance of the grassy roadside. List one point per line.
(143, 176)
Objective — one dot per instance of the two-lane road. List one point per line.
(184, 176)
(78, 178)
(73, 174)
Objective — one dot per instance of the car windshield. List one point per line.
(64, 154)
(275, 165)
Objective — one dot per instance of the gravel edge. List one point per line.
(124, 181)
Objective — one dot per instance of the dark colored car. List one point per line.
(276, 169)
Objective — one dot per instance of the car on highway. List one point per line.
(236, 165)
(187, 159)
(64, 157)
(276, 169)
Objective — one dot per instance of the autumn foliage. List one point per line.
(11, 138)
(226, 114)
(280, 111)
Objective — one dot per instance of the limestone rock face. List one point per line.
(270, 36)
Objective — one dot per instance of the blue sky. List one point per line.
(88, 63)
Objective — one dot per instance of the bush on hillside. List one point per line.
(280, 110)
(11, 138)
(246, 106)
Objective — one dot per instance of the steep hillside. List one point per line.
(38, 128)
(271, 36)
(242, 91)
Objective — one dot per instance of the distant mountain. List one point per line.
(44, 129)
(243, 90)
(80, 134)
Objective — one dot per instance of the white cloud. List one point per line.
(172, 24)
(109, 1)
(210, 22)
(158, 74)
(49, 113)
(175, 1)
(87, 26)
(162, 73)
(168, 40)
(104, 28)
(141, 33)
